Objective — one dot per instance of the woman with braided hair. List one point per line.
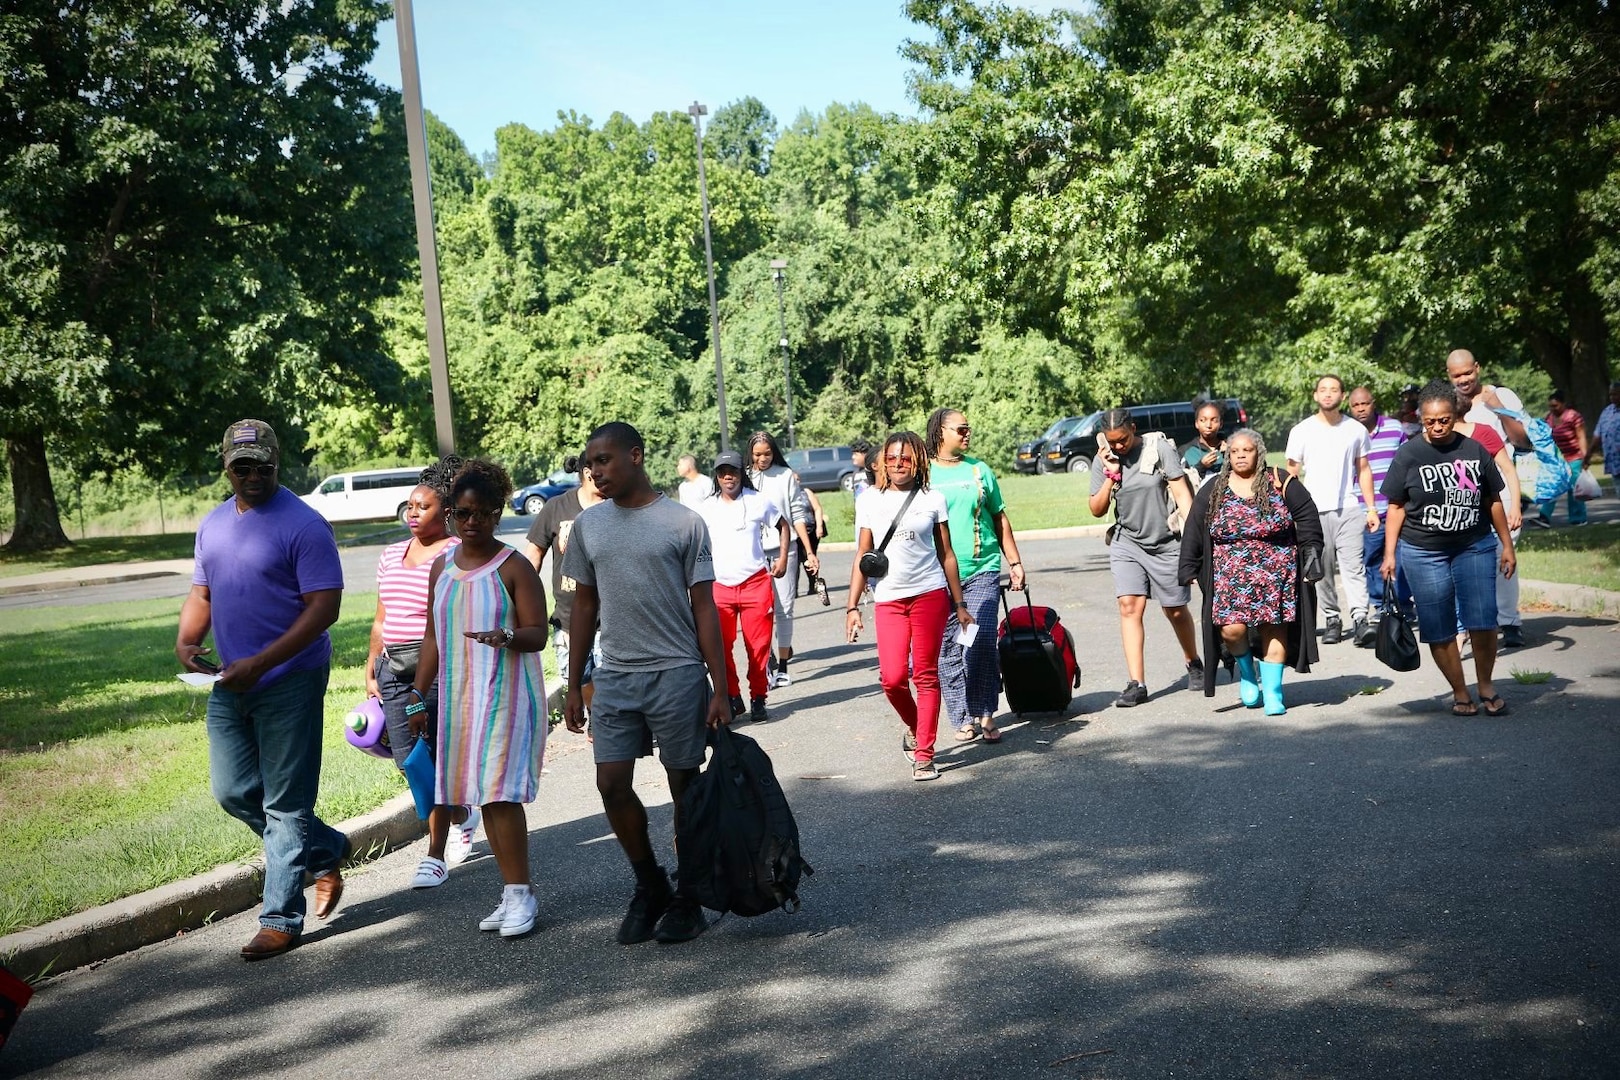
(982, 538)
(396, 638)
(1247, 543)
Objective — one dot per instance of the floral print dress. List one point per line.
(1254, 560)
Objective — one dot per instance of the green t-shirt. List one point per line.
(972, 496)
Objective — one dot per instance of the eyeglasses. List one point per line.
(965, 430)
(899, 459)
(242, 470)
(468, 513)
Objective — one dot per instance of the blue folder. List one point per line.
(419, 774)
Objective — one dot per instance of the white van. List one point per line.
(366, 496)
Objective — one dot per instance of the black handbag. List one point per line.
(1310, 559)
(875, 564)
(402, 659)
(1396, 646)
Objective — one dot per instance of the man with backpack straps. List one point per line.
(1480, 405)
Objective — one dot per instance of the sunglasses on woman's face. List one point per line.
(899, 459)
(242, 470)
(965, 430)
(469, 513)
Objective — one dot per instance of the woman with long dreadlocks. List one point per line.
(1246, 543)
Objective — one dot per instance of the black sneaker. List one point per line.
(756, 711)
(647, 907)
(737, 707)
(1539, 522)
(1331, 634)
(1195, 676)
(682, 922)
(1512, 638)
(1135, 693)
(1363, 634)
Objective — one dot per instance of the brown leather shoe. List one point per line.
(267, 943)
(328, 891)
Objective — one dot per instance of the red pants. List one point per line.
(753, 605)
(909, 633)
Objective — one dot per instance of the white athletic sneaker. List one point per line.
(429, 873)
(521, 910)
(460, 841)
(494, 919)
(782, 678)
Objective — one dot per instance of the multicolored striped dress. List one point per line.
(492, 734)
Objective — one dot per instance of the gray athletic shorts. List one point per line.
(634, 709)
(1142, 573)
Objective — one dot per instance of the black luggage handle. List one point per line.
(1004, 589)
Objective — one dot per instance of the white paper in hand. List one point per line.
(197, 678)
(967, 635)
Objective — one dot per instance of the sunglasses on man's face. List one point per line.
(242, 470)
(469, 513)
(899, 459)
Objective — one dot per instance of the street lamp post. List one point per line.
(698, 112)
(778, 271)
(427, 245)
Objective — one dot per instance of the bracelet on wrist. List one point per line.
(852, 611)
(416, 708)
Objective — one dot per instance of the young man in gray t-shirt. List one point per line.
(643, 574)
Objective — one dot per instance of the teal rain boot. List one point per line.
(1248, 681)
(1271, 688)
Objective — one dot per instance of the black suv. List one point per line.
(1072, 450)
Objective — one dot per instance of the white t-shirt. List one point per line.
(693, 491)
(1327, 455)
(734, 531)
(914, 566)
(1481, 413)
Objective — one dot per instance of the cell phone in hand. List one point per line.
(202, 663)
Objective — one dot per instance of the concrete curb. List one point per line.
(1581, 599)
(125, 925)
(1067, 532)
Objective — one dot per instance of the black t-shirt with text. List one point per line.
(549, 533)
(1447, 490)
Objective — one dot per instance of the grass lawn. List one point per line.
(1033, 502)
(104, 759)
(175, 545)
(1589, 555)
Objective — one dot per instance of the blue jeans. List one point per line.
(264, 764)
(1577, 507)
(1372, 553)
(1452, 585)
(970, 679)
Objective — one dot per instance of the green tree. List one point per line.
(198, 206)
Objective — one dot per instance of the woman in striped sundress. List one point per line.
(483, 641)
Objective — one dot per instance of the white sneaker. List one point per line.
(429, 873)
(782, 678)
(460, 841)
(521, 910)
(494, 919)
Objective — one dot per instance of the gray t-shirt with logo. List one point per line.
(1141, 501)
(642, 562)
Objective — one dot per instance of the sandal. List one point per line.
(989, 732)
(967, 732)
(1464, 708)
(1500, 706)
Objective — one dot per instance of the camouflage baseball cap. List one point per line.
(254, 440)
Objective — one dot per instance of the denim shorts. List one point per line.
(1451, 586)
(633, 709)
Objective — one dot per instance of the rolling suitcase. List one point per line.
(1039, 671)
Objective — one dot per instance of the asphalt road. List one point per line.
(1366, 886)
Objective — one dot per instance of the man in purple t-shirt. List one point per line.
(268, 582)
(1385, 434)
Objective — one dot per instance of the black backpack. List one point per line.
(738, 843)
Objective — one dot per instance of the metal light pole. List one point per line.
(698, 112)
(778, 268)
(427, 246)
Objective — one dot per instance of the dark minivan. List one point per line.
(1072, 450)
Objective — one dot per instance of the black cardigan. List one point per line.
(1197, 565)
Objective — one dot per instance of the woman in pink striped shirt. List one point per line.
(396, 639)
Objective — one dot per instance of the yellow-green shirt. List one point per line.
(973, 498)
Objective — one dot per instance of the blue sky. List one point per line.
(485, 63)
